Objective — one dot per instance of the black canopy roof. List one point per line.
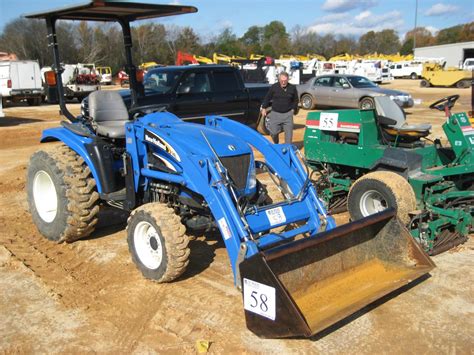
(105, 10)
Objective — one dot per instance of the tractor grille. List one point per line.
(237, 168)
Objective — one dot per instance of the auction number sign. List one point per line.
(259, 298)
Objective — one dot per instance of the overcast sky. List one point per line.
(347, 17)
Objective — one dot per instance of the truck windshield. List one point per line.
(361, 82)
(161, 80)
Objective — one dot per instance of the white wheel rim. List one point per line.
(372, 202)
(366, 105)
(148, 245)
(45, 196)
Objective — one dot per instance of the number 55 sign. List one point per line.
(328, 121)
(259, 298)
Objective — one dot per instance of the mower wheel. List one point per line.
(425, 83)
(157, 242)
(62, 194)
(307, 102)
(379, 190)
(367, 103)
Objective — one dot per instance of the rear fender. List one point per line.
(77, 144)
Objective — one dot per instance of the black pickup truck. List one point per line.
(192, 92)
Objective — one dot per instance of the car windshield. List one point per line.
(161, 80)
(361, 82)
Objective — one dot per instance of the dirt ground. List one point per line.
(88, 296)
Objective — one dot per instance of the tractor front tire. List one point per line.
(379, 190)
(367, 103)
(62, 195)
(157, 242)
(307, 102)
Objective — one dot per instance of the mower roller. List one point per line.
(297, 271)
(371, 160)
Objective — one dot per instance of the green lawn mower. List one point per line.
(370, 160)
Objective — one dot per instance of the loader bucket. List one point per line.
(301, 288)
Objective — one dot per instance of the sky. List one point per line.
(338, 17)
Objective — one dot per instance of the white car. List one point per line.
(21, 80)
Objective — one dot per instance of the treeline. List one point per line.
(102, 44)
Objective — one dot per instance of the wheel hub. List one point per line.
(148, 245)
(45, 196)
(372, 202)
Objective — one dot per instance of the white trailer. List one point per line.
(21, 80)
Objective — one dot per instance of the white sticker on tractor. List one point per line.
(328, 121)
(276, 216)
(259, 299)
(224, 228)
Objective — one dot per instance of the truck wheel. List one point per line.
(462, 84)
(379, 190)
(307, 102)
(413, 76)
(62, 195)
(425, 83)
(367, 103)
(157, 242)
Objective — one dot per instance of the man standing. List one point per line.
(284, 101)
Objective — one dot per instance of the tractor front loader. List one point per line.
(371, 160)
(297, 271)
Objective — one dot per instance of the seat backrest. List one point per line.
(387, 108)
(107, 106)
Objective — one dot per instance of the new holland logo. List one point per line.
(161, 143)
(231, 148)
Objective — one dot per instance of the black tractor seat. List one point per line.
(392, 118)
(108, 113)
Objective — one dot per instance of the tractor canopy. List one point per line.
(122, 12)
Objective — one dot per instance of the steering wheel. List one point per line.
(146, 109)
(445, 101)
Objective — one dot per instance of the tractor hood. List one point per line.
(190, 138)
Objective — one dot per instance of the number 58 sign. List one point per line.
(259, 298)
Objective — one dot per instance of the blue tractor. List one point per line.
(297, 271)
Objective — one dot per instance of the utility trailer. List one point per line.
(20, 80)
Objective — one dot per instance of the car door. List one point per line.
(229, 97)
(342, 93)
(322, 90)
(193, 96)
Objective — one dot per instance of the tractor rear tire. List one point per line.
(367, 103)
(62, 195)
(379, 190)
(307, 102)
(157, 242)
(425, 83)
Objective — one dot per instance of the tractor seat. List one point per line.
(392, 118)
(108, 113)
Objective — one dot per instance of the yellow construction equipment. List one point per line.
(434, 74)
